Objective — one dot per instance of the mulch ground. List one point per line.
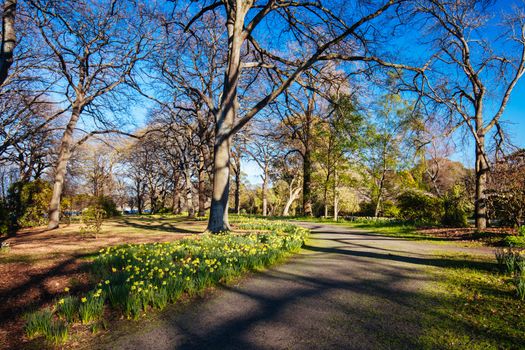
(489, 235)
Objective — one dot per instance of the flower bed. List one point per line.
(135, 278)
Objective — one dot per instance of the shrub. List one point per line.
(93, 218)
(456, 208)
(515, 241)
(108, 205)
(420, 208)
(521, 231)
(27, 204)
(4, 218)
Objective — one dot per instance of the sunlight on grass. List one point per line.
(476, 309)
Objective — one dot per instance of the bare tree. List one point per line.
(263, 152)
(318, 32)
(471, 71)
(95, 46)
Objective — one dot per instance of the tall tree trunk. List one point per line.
(325, 199)
(237, 187)
(189, 192)
(336, 197)
(61, 168)
(307, 182)
(175, 194)
(218, 220)
(140, 202)
(265, 192)
(481, 184)
(379, 195)
(8, 39)
(201, 187)
(176, 200)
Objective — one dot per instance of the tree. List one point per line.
(339, 137)
(317, 31)
(95, 46)
(388, 146)
(263, 153)
(8, 39)
(472, 72)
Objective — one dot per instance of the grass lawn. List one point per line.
(477, 309)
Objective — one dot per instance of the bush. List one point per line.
(108, 205)
(26, 205)
(4, 218)
(92, 218)
(514, 241)
(456, 208)
(420, 208)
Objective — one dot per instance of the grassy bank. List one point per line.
(137, 278)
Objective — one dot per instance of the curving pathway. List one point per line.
(346, 290)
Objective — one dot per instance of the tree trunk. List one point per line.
(8, 39)
(140, 204)
(238, 190)
(307, 183)
(201, 187)
(218, 221)
(189, 192)
(61, 169)
(293, 195)
(336, 197)
(265, 192)
(176, 200)
(481, 184)
(379, 195)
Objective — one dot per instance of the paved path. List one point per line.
(346, 290)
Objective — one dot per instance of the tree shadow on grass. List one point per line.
(164, 227)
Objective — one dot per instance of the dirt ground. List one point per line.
(39, 264)
(489, 236)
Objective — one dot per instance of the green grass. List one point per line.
(474, 307)
(475, 304)
(137, 278)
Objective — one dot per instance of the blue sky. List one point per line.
(514, 115)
